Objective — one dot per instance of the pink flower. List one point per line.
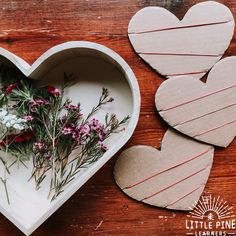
(94, 123)
(67, 130)
(102, 134)
(39, 146)
(41, 101)
(28, 118)
(84, 130)
(36, 103)
(53, 91)
(102, 146)
(71, 107)
(75, 135)
(96, 126)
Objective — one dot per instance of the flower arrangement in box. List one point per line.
(39, 124)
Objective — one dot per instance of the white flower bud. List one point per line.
(11, 120)
(8, 125)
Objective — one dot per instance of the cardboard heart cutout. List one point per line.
(204, 111)
(177, 49)
(95, 66)
(172, 178)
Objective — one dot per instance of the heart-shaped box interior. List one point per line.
(95, 67)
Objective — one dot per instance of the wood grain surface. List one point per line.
(28, 28)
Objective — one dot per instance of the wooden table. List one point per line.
(28, 28)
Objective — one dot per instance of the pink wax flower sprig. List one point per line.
(61, 130)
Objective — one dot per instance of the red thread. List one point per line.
(198, 98)
(179, 54)
(182, 163)
(231, 122)
(181, 27)
(189, 73)
(174, 183)
(179, 199)
(209, 113)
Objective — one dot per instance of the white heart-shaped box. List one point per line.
(177, 48)
(96, 66)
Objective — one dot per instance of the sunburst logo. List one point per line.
(211, 216)
(211, 208)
